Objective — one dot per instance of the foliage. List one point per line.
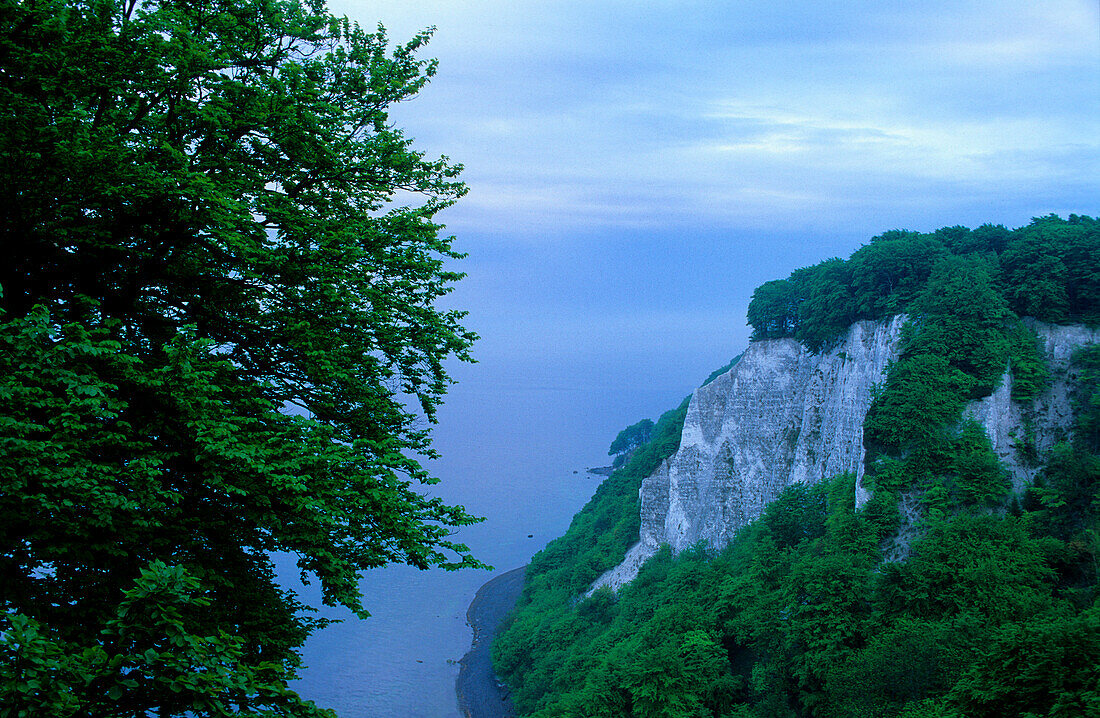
(1087, 402)
(828, 306)
(798, 617)
(923, 395)
(796, 515)
(960, 316)
(889, 273)
(216, 315)
(993, 611)
(1049, 270)
(957, 345)
(973, 468)
(1030, 374)
(597, 540)
(149, 656)
(773, 311)
(1043, 667)
(1052, 269)
(631, 437)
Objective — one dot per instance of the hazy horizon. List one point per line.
(637, 169)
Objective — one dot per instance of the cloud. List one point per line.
(570, 116)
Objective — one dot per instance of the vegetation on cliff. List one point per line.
(995, 610)
(1049, 270)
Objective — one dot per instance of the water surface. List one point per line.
(514, 448)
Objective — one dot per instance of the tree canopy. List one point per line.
(1048, 270)
(631, 437)
(220, 337)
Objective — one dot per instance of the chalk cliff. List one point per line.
(1013, 426)
(782, 415)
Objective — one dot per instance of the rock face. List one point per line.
(1013, 426)
(1020, 433)
(781, 415)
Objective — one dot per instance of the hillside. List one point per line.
(964, 580)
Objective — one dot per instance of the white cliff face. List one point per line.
(781, 415)
(1042, 422)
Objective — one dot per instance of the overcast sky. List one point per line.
(636, 169)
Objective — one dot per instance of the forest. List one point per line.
(993, 610)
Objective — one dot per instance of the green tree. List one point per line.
(1082, 259)
(961, 316)
(923, 395)
(1040, 667)
(220, 338)
(942, 596)
(1087, 402)
(1035, 273)
(977, 473)
(773, 310)
(828, 307)
(982, 567)
(631, 437)
(888, 273)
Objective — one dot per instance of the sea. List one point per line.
(403, 660)
(515, 440)
(513, 451)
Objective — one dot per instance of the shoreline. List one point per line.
(479, 694)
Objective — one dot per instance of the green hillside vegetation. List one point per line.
(996, 609)
(1049, 270)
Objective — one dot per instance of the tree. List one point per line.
(631, 437)
(923, 395)
(888, 273)
(1045, 666)
(827, 308)
(1034, 273)
(773, 310)
(219, 338)
(962, 317)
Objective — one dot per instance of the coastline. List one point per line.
(479, 694)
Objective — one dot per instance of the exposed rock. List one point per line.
(781, 415)
(1019, 431)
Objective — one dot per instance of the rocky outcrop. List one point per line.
(1019, 432)
(781, 415)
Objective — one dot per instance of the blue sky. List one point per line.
(637, 169)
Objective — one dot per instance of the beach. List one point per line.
(479, 694)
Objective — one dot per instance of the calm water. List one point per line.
(511, 443)
(402, 661)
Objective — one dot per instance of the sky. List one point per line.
(637, 169)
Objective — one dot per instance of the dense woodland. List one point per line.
(994, 609)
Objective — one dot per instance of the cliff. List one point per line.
(1018, 431)
(782, 415)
